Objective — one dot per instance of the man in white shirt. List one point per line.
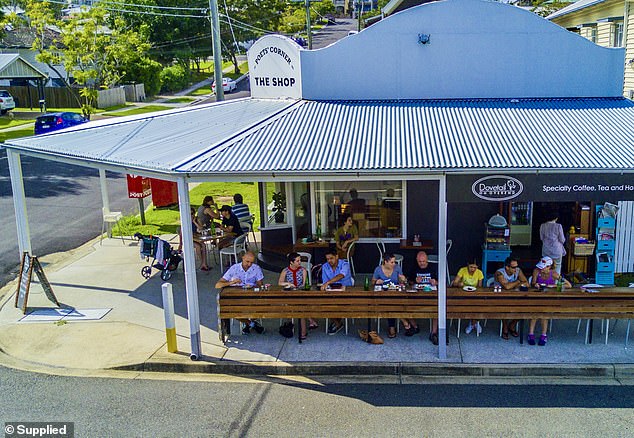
(245, 273)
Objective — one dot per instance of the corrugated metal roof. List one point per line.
(161, 141)
(322, 137)
(252, 136)
(576, 6)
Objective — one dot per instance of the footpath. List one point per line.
(117, 324)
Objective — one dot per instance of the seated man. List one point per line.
(241, 210)
(230, 226)
(510, 277)
(246, 273)
(425, 273)
(335, 271)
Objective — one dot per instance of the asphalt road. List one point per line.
(63, 206)
(161, 408)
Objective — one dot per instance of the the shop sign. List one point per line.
(274, 68)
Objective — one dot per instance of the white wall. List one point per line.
(478, 49)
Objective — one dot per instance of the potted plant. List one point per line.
(279, 206)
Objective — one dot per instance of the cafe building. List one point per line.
(426, 124)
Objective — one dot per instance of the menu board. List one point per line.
(28, 265)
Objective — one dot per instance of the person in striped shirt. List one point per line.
(241, 210)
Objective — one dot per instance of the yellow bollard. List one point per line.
(170, 327)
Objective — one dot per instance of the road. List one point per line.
(63, 205)
(164, 408)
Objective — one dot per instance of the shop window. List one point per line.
(276, 204)
(376, 207)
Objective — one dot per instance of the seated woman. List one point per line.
(470, 275)
(390, 272)
(345, 236)
(199, 247)
(295, 276)
(207, 212)
(544, 275)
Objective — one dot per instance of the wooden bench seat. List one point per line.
(237, 303)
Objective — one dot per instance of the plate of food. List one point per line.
(469, 288)
(419, 286)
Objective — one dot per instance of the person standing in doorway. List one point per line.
(553, 240)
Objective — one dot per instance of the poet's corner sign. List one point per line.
(274, 68)
(28, 265)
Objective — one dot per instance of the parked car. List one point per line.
(56, 121)
(228, 85)
(6, 101)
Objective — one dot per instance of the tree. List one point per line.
(249, 20)
(95, 48)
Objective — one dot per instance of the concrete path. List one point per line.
(130, 336)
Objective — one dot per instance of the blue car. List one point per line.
(55, 121)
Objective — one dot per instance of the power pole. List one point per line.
(215, 39)
(308, 29)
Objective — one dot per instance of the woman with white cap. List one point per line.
(544, 275)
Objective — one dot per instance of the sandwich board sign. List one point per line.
(28, 265)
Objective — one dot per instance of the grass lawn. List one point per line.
(140, 110)
(8, 122)
(166, 221)
(202, 91)
(16, 133)
(37, 112)
(244, 68)
(180, 100)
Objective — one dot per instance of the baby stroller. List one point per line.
(164, 257)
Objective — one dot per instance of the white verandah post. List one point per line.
(189, 263)
(103, 184)
(19, 202)
(442, 268)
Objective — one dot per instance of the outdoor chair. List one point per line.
(381, 247)
(306, 263)
(110, 220)
(350, 260)
(247, 227)
(238, 247)
(433, 258)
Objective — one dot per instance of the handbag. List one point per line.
(286, 329)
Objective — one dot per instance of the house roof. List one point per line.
(574, 7)
(13, 66)
(249, 137)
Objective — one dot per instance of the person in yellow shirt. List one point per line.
(470, 275)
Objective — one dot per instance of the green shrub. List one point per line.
(147, 72)
(174, 78)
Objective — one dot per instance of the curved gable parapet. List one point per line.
(475, 49)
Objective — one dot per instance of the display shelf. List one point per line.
(605, 235)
